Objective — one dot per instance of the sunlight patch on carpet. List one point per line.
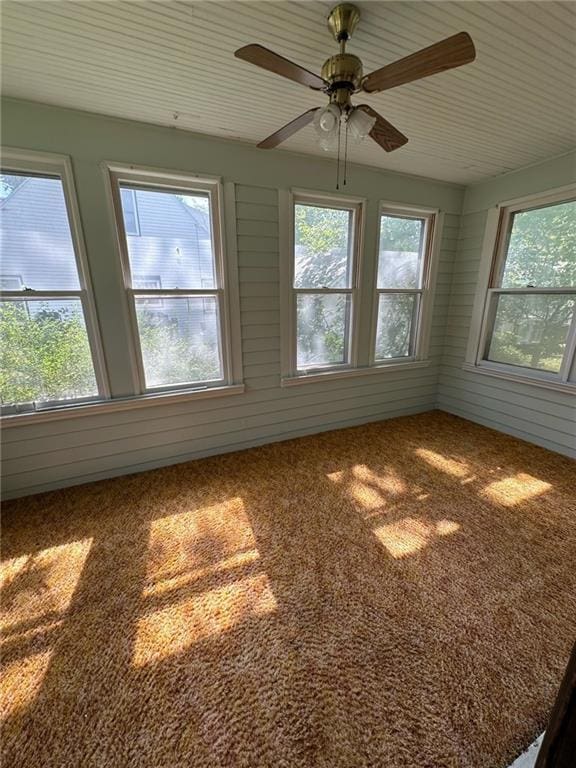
(368, 488)
(21, 681)
(450, 467)
(407, 536)
(203, 578)
(514, 490)
(176, 627)
(36, 591)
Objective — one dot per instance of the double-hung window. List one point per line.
(402, 283)
(529, 315)
(51, 354)
(345, 312)
(175, 278)
(323, 282)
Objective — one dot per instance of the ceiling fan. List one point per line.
(341, 76)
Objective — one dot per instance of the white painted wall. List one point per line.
(528, 411)
(49, 455)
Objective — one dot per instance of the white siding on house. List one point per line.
(54, 454)
(542, 416)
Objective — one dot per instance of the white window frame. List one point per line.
(60, 166)
(225, 291)
(420, 332)
(289, 294)
(493, 259)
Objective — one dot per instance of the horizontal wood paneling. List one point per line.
(38, 482)
(59, 453)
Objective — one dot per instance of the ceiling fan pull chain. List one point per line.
(338, 158)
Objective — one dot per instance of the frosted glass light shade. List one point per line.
(360, 124)
(327, 124)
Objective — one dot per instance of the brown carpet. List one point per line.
(401, 594)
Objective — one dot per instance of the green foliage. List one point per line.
(321, 329)
(321, 240)
(394, 326)
(171, 357)
(400, 234)
(542, 248)
(44, 355)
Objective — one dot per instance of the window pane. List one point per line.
(322, 247)
(36, 241)
(396, 316)
(180, 342)
(530, 330)
(401, 252)
(322, 329)
(129, 210)
(542, 248)
(174, 240)
(45, 353)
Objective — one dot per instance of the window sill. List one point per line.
(124, 404)
(558, 386)
(344, 373)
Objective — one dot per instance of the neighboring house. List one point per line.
(169, 243)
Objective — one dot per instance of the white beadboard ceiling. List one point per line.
(172, 63)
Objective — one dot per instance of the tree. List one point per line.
(172, 357)
(44, 355)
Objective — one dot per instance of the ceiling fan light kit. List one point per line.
(342, 76)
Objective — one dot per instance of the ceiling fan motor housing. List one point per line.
(344, 73)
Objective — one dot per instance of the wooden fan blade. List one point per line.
(263, 57)
(447, 54)
(288, 130)
(384, 132)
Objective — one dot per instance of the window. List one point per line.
(529, 324)
(50, 347)
(331, 290)
(403, 276)
(324, 282)
(175, 279)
